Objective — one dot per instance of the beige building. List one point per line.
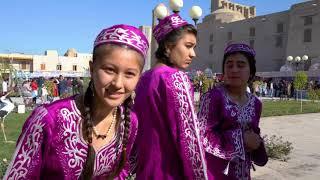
(72, 64)
(276, 36)
(147, 30)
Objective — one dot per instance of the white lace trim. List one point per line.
(190, 126)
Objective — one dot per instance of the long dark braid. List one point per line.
(87, 171)
(127, 123)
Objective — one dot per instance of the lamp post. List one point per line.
(195, 14)
(297, 60)
(176, 5)
(161, 11)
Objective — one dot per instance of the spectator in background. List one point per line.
(4, 86)
(62, 87)
(34, 88)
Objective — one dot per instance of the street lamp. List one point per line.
(195, 13)
(161, 11)
(176, 5)
(297, 60)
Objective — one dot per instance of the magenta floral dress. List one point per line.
(222, 124)
(51, 146)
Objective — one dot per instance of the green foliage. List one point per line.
(300, 80)
(313, 94)
(49, 85)
(277, 148)
(206, 83)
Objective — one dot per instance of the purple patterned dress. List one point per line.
(168, 142)
(221, 122)
(51, 146)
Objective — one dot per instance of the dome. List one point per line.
(227, 15)
(315, 67)
(71, 53)
(286, 68)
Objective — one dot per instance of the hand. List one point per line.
(252, 140)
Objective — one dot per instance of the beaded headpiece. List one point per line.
(124, 35)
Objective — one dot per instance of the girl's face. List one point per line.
(236, 70)
(115, 74)
(182, 53)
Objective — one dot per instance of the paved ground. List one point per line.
(304, 132)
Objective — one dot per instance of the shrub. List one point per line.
(300, 81)
(277, 148)
(312, 95)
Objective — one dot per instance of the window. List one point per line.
(252, 32)
(23, 65)
(307, 20)
(211, 49)
(59, 67)
(211, 37)
(42, 66)
(252, 43)
(74, 67)
(230, 36)
(307, 35)
(280, 28)
(279, 41)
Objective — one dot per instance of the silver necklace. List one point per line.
(103, 136)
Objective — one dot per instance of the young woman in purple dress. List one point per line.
(87, 136)
(229, 119)
(168, 141)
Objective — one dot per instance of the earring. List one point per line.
(133, 96)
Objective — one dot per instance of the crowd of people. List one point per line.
(46, 89)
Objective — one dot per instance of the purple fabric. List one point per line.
(221, 123)
(51, 146)
(124, 35)
(168, 142)
(168, 24)
(239, 47)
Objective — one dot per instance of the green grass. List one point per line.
(280, 108)
(13, 126)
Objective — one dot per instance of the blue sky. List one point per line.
(33, 26)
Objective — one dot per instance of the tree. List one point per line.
(300, 83)
(300, 80)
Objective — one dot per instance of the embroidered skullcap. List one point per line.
(124, 35)
(239, 47)
(168, 24)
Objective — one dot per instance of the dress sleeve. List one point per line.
(131, 162)
(221, 138)
(259, 156)
(181, 117)
(27, 158)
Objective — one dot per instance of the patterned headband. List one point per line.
(124, 35)
(239, 47)
(168, 24)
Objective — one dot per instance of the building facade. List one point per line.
(72, 64)
(147, 30)
(274, 36)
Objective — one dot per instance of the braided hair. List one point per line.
(128, 103)
(88, 169)
(88, 126)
